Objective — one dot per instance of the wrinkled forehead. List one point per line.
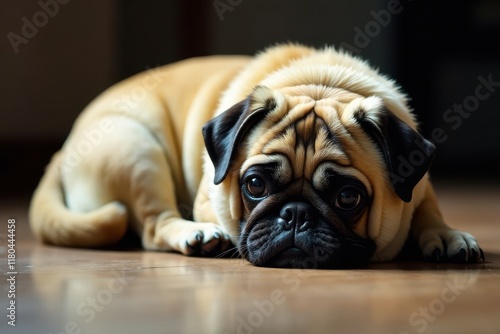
(304, 138)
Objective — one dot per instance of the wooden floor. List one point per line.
(61, 290)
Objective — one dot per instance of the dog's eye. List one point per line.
(348, 199)
(256, 187)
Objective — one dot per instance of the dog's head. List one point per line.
(313, 182)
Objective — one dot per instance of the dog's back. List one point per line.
(169, 104)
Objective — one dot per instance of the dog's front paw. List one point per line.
(205, 239)
(445, 245)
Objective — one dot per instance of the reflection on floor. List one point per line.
(64, 290)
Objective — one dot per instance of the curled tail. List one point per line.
(52, 222)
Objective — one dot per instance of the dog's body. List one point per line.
(305, 151)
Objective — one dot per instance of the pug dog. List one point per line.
(310, 156)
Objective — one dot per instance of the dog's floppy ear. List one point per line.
(407, 154)
(225, 132)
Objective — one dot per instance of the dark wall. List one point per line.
(439, 51)
(449, 62)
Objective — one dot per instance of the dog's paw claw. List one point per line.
(460, 257)
(474, 255)
(199, 236)
(435, 256)
(190, 249)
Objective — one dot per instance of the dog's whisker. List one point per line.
(233, 251)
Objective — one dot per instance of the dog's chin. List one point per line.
(307, 252)
(293, 257)
(289, 258)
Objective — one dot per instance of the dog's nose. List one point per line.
(298, 214)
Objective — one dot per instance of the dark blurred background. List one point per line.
(57, 55)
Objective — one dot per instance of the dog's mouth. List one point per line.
(293, 252)
(290, 258)
(348, 254)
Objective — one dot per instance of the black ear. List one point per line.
(225, 132)
(407, 154)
